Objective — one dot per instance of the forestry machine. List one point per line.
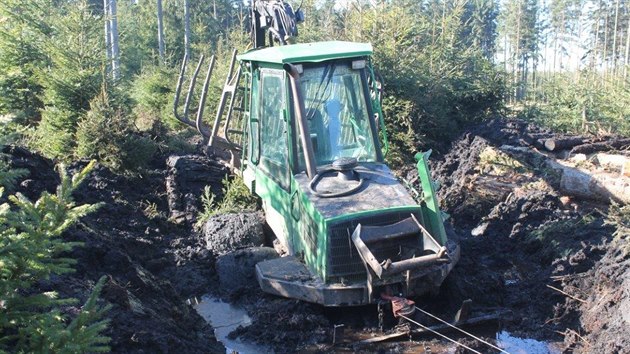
(304, 125)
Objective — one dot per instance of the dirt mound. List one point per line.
(525, 243)
(41, 174)
(600, 299)
(126, 240)
(454, 173)
(186, 178)
(229, 232)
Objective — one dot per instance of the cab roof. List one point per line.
(307, 52)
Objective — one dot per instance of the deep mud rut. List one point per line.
(544, 259)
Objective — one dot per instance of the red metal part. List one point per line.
(400, 305)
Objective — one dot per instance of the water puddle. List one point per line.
(503, 340)
(225, 318)
(516, 345)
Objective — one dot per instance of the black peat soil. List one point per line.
(545, 259)
(132, 241)
(528, 239)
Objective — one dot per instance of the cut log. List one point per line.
(555, 144)
(583, 183)
(537, 140)
(589, 148)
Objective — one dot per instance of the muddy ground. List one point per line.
(519, 238)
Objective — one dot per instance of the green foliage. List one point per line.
(72, 79)
(582, 103)
(619, 217)
(209, 207)
(107, 135)
(23, 27)
(8, 176)
(83, 334)
(153, 91)
(436, 81)
(236, 198)
(498, 163)
(31, 250)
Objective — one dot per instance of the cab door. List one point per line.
(270, 152)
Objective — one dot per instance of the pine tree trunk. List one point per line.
(108, 43)
(614, 48)
(114, 40)
(187, 27)
(555, 49)
(517, 54)
(160, 32)
(605, 53)
(625, 59)
(599, 20)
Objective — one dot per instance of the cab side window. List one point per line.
(273, 128)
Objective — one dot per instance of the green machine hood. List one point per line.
(381, 190)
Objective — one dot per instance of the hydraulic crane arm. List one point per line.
(276, 19)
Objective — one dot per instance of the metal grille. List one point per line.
(344, 262)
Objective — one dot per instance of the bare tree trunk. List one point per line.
(596, 46)
(517, 55)
(160, 32)
(625, 59)
(108, 42)
(114, 40)
(187, 28)
(614, 48)
(555, 48)
(605, 54)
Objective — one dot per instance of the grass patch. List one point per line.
(236, 198)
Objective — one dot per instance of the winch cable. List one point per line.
(440, 334)
(461, 330)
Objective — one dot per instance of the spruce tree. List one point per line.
(31, 250)
(73, 79)
(23, 27)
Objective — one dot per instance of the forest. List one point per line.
(88, 86)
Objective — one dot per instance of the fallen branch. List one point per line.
(567, 294)
(576, 334)
(567, 276)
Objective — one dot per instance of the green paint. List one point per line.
(430, 208)
(308, 52)
(342, 218)
(295, 210)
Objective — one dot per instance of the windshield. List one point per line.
(337, 114)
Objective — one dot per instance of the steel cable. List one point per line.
(440, 334)
(461, 330)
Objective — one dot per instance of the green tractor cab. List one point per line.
(305, 130)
